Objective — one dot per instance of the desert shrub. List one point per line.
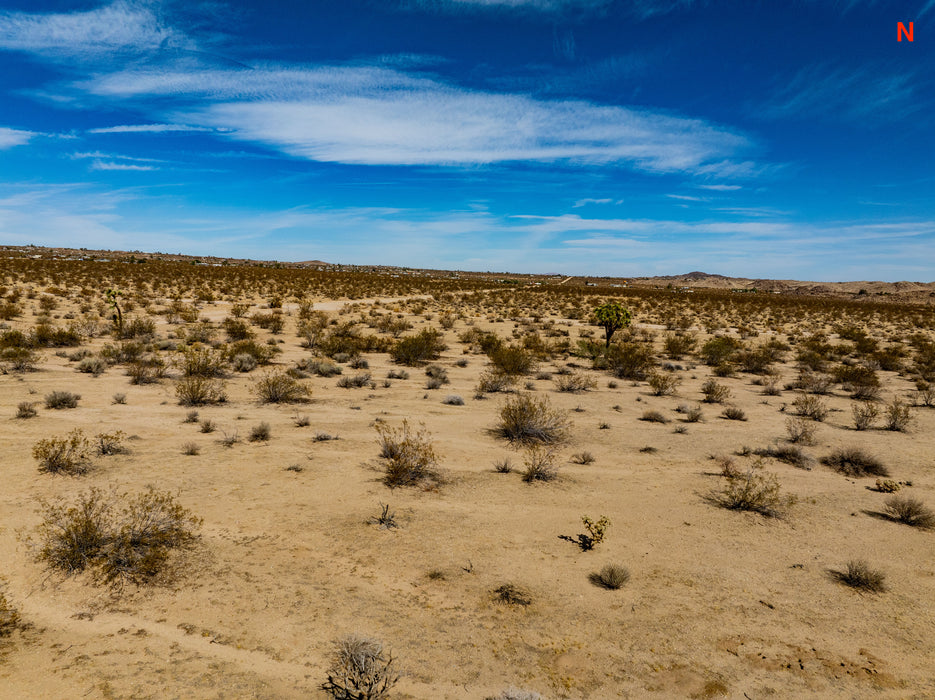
(92, 365)
(910, 511)
(627, 360)
(887, 486)
(733, 413)
(714, 392)
(418, 349)
(897, 415)
(200, 391)
(322, 436)
(47, 336)
(243, 362)
(109, 443)
(323, 367)
(263, 354)
(260, 432)
(860, 380)
(693, 414)
(119, 398)
(26, 409)
(597, 529)
(280, 388)
(410, 456)
(653, 416)
(786, 453)
(136, 327)
(236, 329)
(575, 382)
(397, 374)
(858, 574)
(355, 382)
(720, 350)
(146, 369)
(611, 577)
(925, 394)
(361, 363)
(386, 520)
(865, 414)
(273, 322)
(453, 400)
(195, 361)
(582, 458)
(854, 462)
(528, 420)
(63, 455)
(229, 439)
(190, 449)
(62, 399)
(810, 406)
(663, 384)
(503, 466)
(9, 617)
(437, 372)
(800, 431)
(539, 464)
(510, 594)
(131, 544)
(512, 360)
(19, 359)
(676, 345)
(208, 426)
(757, 493)
(491, 382)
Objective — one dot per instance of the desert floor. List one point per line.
(720, 603)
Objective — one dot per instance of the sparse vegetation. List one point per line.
(757, 493)
(858, 574)
(527, 419)
(280, 388)
(410, 457)
(910, 511)
(854, 462)
(611, 577)
(63, 455)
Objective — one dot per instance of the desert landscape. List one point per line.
(244, 480)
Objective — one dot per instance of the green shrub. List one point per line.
(714, 392)
(627, 360)
(512, 360)
(418, 349)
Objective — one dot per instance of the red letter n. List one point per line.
(901, 29)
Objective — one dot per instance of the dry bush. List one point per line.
(491, 382)
(512, 360)
(323, 367)
(611, 577)
(582, 458)
(191, 449)
(280, 388)
(540, 464)
(714, 392)
(243, 362)
(453, 400)
(356, 382)
(887, 486)
(810, 406)
(65, 455)
(664, 384)
(360, 670)
(693, 414)
(18, 360)
(200, 391)
(865, 414)
(800, 431)
(260, 432)
(652, 416)
(110, 443)
(575, 382)
(529, 420)
(62, 399)
(418, 349)
(410, 457)
(201, 362)
(734, 413)
(503, 466)
(132, 544)
(788, 454)
(897, 415)
(676, 345)
(9, 617)
(26, 409)
(511, 594)
(910, 511)
(858, 574)
(627, 360)
(854, 462)
(92, 365)
(757, 493)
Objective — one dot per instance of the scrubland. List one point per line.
(253, 482)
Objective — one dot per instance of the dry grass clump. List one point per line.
(714, 392)
(360, 670)
(280, 388)
(854, 462)
(734, 413)
(129, 544)
(491, 382)
(789, 454)
(511, 594)
(692, 414)
(582, 458)
(453, 400)
(200, 391)
(26, 409)
(910, 511)
(356, 382)
(63, 455)
(515, 694)
(611, 577)
(528, 420)
(191, 449)
(653, 416)
(575, 383)
(260, 433)
(410, 457)
(858, 574)
(757, 493)
(62, 399)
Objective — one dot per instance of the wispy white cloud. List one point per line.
(122, 25)
(146, 129)
(586, 201)
(721, 188)
(866, 95)
(111, 165)
(379, 116)
(686, 198)
(14, 137)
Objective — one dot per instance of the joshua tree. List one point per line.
(612, 317)
(112, 295)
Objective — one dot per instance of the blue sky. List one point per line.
(765, 138)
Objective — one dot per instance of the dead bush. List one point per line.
(360, 670)
(200, 391)
(800, 431)
(664, 384)
(910, 511)
(858, 574)
(528, 420)
(280, 388)
(714, 392)
(410, 457)
(540, 464)
(865, 414)
(63, 455)
(757, 493)
(898, 415)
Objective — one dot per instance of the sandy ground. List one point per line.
(720, 603)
